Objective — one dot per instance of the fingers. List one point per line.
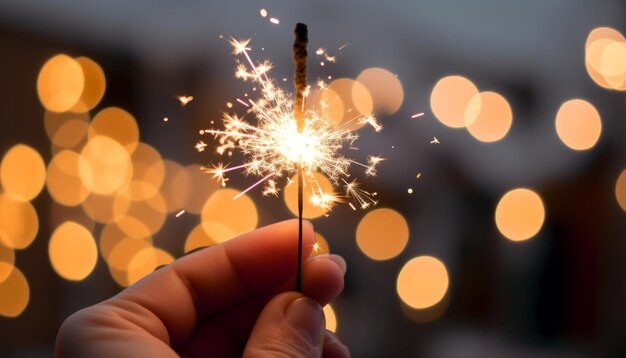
(226, 332)
(291, 325)
(333, 348)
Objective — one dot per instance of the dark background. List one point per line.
(560, 294)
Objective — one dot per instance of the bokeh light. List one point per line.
(384, 88)
(18, 222)
(331, 318)
(605, 58)
(66, 130)
(355, 99)
(106, 166)
(320, 246)
(520, 214)
(620, 190)
(60, 83)
(7, 260)
(176, 187)
(22, 172)
(578, 124)
(198, 238)
(100, 208)
(14, 294)
(63, 180)
(148, 173)
(312, 186)
(72, 251)
(117, 124)
(449, 99)
(94, 87)
(145, 262)
(382, 234)
(121, 256)
(422, 282)
(140, 218)
(488, 117)
(202, 184)
(224, 217)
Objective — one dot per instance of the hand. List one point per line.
(222, 301)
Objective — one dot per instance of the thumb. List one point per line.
(290, 325)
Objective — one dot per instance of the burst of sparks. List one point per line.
(184, 99)
(273, 146)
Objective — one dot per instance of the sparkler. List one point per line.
(286, 137)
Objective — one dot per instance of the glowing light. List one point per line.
(198, 238)
(18, 222)
(60, 83)
(118, 125)
(449, 99)
(100, 207)
(223, 218)
(184, 100)
(422, 282)
(7, 260)
(263, 12)
(318, 190)
(331, 318)
(416, 115)
(520, 214)
(66, 130)
(106, 166)
(578, 124)
(274, 20)
(180, 213)
(94, 85)
(488, 117)
(320, 246)
(22, 172)
(195, 178)
(277, 145)
(605, 58)
(385, 89)
(435, 141)
(145, 262)
(620, 190)
(14, 294)
(63, 180)
(176, 187)
(148, 173)
(382, 234)
(72, 251)
(140, 218)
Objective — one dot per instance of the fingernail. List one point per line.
(306, 317)
(338, 260)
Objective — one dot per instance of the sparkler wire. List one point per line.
(299, 56)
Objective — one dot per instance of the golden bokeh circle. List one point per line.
(382, 234)
(331, 318)
(314, 186)
(22, 172)
(449, 99)
(176, 187)
(198, 238)
(60, 83)
(14, 294)
(578, 124)
(422, 282)
(18, 222)
(72, 251)
(148, 173)
(620, 190)
(7, 260)
(384, 88)
(488, 117)
(203, 187)
(106, 166)
(117, 124)
(355, 101)
(63, 180)
(520, 214)
(321, 245)
(224, 217)
(94, 87)
(145, 261)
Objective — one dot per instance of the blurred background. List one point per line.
(500, 228)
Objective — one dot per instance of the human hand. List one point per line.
(222, 301)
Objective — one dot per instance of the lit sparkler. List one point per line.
(282, 136)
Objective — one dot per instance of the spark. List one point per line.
(200, 146)
(317, 247)
(165, 119)
(410, 191)
(274, 148)
(417, 115)
(178, 214)
(274, 20)
(419, 175)
(320, 51)
(342, 47)
(435, 141)
(263, 12)
(184, 100)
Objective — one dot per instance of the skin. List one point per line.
(226, 300)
